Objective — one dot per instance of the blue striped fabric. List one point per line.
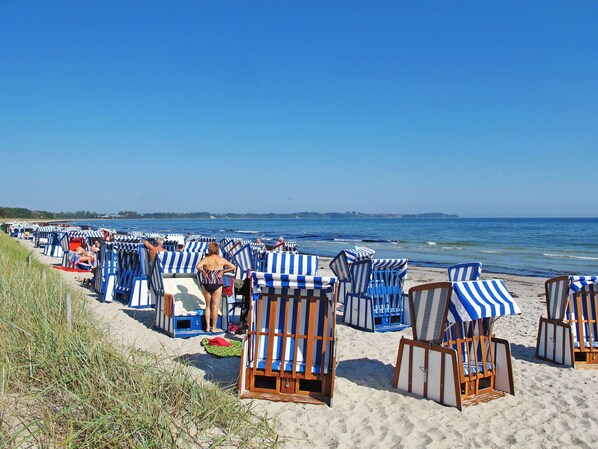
(126, 246)
(197, 247)
(282, 280)
(472, 300)
(359, 253)
(399, 265)
(292, 319)
(244, 259)
(427, 315)
(465, 272)
(87, 233)
(178, 261)
(291, 263)
(126, 238)
(340, 267)
(579, 282)
(361, 273)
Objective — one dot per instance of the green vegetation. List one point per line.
(62, 388)
(130, 214)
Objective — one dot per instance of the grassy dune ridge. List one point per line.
(73, 388)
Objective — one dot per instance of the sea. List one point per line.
(542, 247)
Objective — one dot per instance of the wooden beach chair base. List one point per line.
(278, 387)
(289, 350)
(432, 371)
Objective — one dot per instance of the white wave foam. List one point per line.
(489, 251)
(246, 232)
(432, 243)
(568, 256)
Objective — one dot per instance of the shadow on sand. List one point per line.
(144, 316)
(367, 372)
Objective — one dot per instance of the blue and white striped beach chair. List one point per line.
(104, 276)
(41, 235)
(341, 267)
(469, 365)
(465, 272)
(569, 336)
(132, 274)
(180, 304)
(376, 302)
(52, 247)
(289, 351)
(291, 263)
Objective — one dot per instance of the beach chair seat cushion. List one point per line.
(477, 368)
(287, 365)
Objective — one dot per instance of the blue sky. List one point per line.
(474, 108)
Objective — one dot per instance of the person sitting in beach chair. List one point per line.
(211, 269)
(278, 246)
(154, 249)
(82, 255)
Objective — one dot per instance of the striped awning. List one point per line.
(179, 261)
(391, 264)
(472, 300)
(579, 282)
(293, 281)
(358, 253)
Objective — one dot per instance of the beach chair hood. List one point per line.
(473, 300)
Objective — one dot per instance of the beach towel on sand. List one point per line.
(217, 348)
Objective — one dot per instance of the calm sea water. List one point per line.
(535, 247)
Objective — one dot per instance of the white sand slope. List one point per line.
(552, 406)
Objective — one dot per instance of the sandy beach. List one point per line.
(552, 406)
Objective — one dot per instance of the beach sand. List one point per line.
(552, 406)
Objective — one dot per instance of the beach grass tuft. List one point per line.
(62, 387)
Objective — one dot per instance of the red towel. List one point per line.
(218, 341)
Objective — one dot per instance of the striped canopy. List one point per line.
(196, 247)
(179, 261)
(87, 233)
(291, 263)
(244, 259)
(341, 264)
(472, 300)
(293, 281)
(579, 282)
(358, 253)
(391, 264)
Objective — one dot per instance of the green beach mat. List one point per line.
(234, 350)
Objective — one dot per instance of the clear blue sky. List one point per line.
(474, 108)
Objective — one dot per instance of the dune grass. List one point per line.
(62, 388)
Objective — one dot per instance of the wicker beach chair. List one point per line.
(465, 272)
(569, 336)
(341, 267)
(175, 289)
(132, 269)
(454, 358)
(376, 302)
(289, 351)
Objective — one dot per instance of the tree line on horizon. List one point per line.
(19, 212)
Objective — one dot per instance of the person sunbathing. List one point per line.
(82, 256)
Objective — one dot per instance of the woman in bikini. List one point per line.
(211, 269)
